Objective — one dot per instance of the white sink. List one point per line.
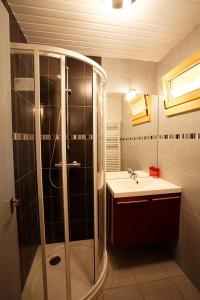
(127, 187)
(117, 175)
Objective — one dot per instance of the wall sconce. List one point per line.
(130, 95)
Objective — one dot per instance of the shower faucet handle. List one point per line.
(69, 91)
(73, 164)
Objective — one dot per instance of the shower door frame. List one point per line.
(60, 53)
(37, 54)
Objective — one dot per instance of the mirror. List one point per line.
(129, 146)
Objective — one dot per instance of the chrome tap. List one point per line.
(133, 176)
(130, 172)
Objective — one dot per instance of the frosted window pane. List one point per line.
(186, 82)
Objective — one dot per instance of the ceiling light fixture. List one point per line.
(117, 4)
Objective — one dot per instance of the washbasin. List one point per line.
(127, 187)
(130, 183)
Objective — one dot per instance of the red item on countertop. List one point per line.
(156, 172)
(151, 170)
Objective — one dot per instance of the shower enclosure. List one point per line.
(67, 93)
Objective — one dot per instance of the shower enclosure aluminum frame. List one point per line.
(60, 53)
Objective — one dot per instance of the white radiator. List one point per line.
(113, 149)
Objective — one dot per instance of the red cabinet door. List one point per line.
(130, 222)
(164, 211)
(144, 220)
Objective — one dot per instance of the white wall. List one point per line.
(179, 161)
(113, 106)
(124, 74)
(9, 258)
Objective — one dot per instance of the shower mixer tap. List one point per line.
(73, 164)
(68, 91)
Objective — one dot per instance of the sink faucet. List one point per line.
(130, 172)
(132, 175)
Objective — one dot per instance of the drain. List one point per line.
(55, 260)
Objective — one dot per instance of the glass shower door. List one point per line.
(52, 175)
(99, 172)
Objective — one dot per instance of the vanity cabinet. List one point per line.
(142, 220)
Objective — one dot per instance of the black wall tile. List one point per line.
(49, 233)
(76, 120)
(44, 90)
(90, 229)
(77, 208)
(88, 120)
(47, 187)
(55, 152)
(89, 207)
(16, 34)
(88, 71)
(54, 66)
(97, 59)
(58, 213)
(89, 153)
(88, 91)
(76, 181)
(45, 149)
(17, 157)
(77, 152)
(77, 97)
(56, 176)
(58, 232)
(76, 67)
(49, 119)
(80, 180)
(48, 210)
(15, 112)
(78, 230)
(89, 180)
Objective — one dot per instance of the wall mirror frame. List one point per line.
(140, 109)
(181, 86)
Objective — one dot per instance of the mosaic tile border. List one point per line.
(176, 136)
(48, 137)
(23, 136)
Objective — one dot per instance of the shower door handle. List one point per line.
(14, 203)
(73, 164)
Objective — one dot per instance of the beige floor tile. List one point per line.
(149, 272)
(119, 276)
(172, 268)
(130, 292)
(186, 288)
(161, 290)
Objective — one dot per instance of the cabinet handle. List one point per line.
(166, 198)
(133, 202)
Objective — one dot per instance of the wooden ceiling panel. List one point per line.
(147, 31)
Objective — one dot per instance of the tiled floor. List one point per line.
(146, 273)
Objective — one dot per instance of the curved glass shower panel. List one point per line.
(51, 154)
(79, 128)
(69, 130)
(23, 110)
(99, 183)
